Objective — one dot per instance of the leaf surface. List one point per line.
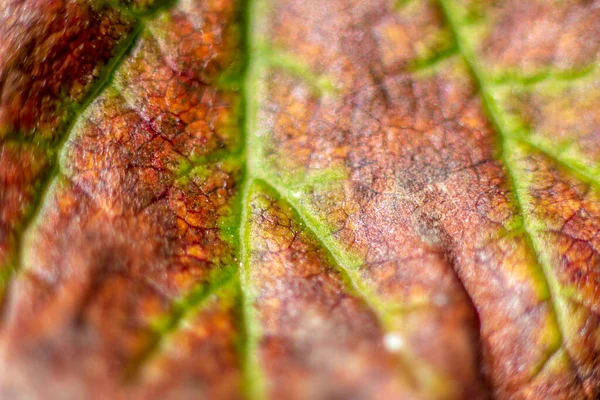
(296, 199)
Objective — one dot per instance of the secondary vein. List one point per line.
(54, 164)
(584, 173)
(517, 187)
(194, 300)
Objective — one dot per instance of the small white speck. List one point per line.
(393, 342)
(440, 300)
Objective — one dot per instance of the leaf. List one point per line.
(296, 199)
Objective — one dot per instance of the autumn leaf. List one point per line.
(299, 199)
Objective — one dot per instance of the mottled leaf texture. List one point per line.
(292, 199)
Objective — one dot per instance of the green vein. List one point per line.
(583, 172)
(247, 82)
(519, 189)
(435, 59)
(346, 263)
(254, 381)
(348, 266)
(171, 322)
(48, 178)
(259, 58)
(544, 76)
(277, 58)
